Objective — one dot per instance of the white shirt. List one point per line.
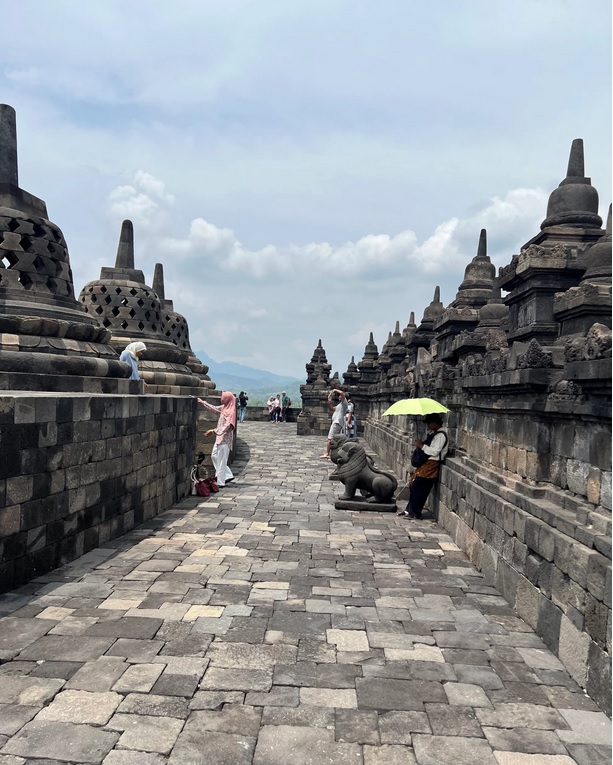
(438, 448)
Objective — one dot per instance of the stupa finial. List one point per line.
(8, 145)
(158, 281)
(576, 163)
(482, 247)
(125, 249)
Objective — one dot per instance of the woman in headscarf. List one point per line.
(224, 433)
(131, 355)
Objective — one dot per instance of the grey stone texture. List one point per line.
(110, 463)
(413, 658)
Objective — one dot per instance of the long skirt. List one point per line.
(420, 488)
(220, 455)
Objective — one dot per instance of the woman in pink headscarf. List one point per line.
(224, 433)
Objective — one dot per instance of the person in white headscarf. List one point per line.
(131, 355)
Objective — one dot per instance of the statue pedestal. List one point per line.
(364, 505)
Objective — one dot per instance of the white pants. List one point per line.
(220, 455)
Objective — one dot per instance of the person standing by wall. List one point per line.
(339, 412)
(224, 434)
(424, 477)
(277, 408)
(271, 403)
(243, 398)
(285, 405)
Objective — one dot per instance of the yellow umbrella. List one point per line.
(415, 406)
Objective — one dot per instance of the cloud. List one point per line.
(145, 202)
(377, 255)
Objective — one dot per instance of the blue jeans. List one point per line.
(241, 413)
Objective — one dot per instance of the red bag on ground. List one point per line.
(202, 488)
(212, 485)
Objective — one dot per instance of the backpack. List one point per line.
(419, 457)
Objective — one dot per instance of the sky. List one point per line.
(304, 169)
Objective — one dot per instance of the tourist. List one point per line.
(285, 405)
(271, 404)
(130, 355)
(339, 412)
(224, 433)
(277, 408)
(424, 477)
(243, 398)
(350, 423)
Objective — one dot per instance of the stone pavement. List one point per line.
(262, 626)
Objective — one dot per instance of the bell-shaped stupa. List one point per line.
(131, 310)
(47, 342)
(575, 201)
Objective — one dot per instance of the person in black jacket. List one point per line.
(243, 398)
(424, 477)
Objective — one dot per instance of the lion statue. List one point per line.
(356, 470)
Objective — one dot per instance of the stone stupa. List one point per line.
(47, 342)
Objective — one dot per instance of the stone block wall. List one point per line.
(545, 546)
(77, 470)
(548, 555)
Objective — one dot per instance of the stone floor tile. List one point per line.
(247, 656)
(62, 741)
(221, 748)
(329, 697)
(585, 727)
(562, 698)
(517, 758)
(348, 640)
(155, 706)
(98, 676)
(215, 699)
(172, 684)
(278, 696)
(587, 754)
(234, 718)
(57, 648)
(304, 715)
(146, 733)
(453, 721)
(452, 750)
(14, 716)
(388, 755)
(522, 716)
(404, 695)
(524, 740)
(134, 649)
(485, 677)
(81, 707)
(138, 678)
(397, 727)
(28, 691)
(132, 757)
(18, 633)
(219, 679)
(465, 694)
(282, 744)
(355, 726)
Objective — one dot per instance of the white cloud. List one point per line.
(145, 202)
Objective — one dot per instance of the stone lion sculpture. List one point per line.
(356, 470)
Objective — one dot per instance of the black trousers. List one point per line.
(420, 489)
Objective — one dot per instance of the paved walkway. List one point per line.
(263, 626)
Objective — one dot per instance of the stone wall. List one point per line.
(526, 494)
(77, 470)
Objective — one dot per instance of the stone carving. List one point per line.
(564, 390)
(356, 470)
(536, 357)
(598, 343)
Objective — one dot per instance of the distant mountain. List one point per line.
(227, 375)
